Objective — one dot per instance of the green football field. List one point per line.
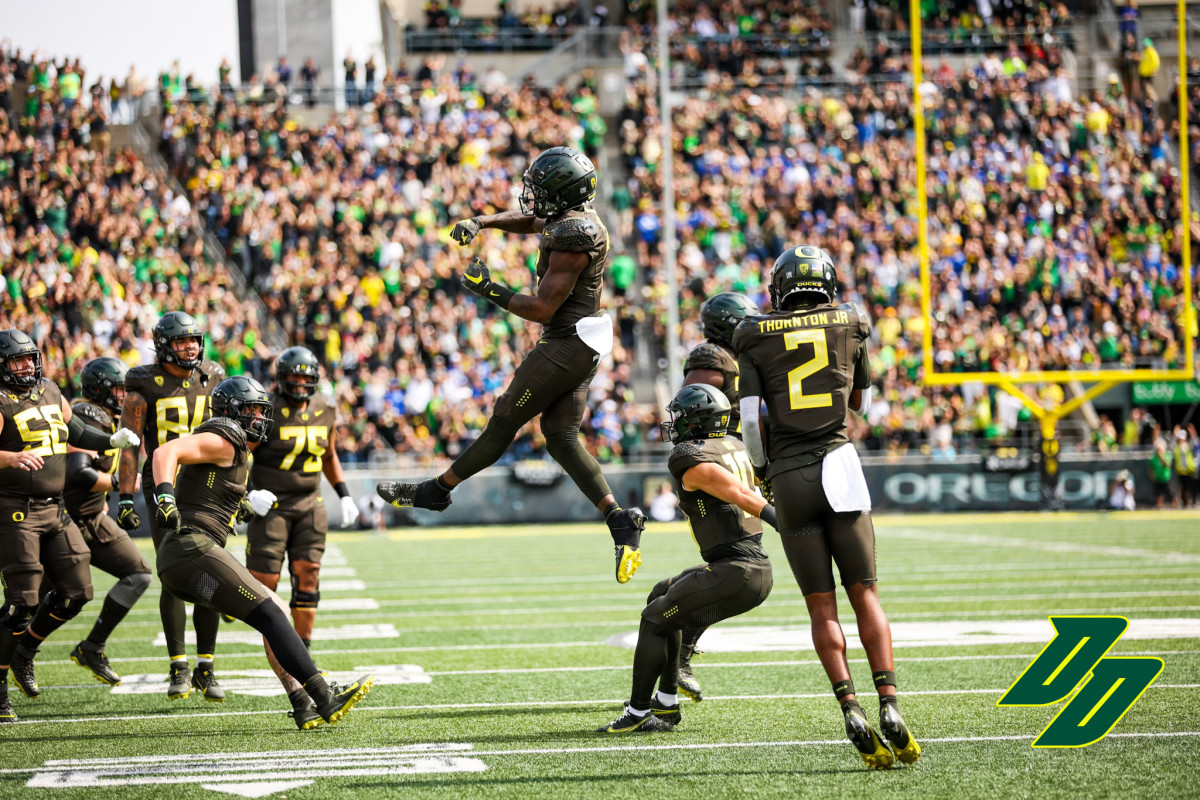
(498, 651)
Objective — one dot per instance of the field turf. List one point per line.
(499, 651)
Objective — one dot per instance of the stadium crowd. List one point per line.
(1054, 224)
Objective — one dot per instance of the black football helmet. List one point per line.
(721, 313)
(235, 397)
(98, 379)
(177, 325)
(805, 273)
(296, 372)
(13, 344)
(698, 411)
(558, 180)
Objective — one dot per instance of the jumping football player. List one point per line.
(166, 400)
(553, 379)
(715, 482)
(90, 477)
(211, 466)
(808, 360)
(286, 475)
(714, 363)
(37, 536)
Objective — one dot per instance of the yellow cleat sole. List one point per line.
(183, 696)
(628, 565)
(910, 753)
(363, 690)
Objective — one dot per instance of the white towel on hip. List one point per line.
(843, 480)
(597, 333)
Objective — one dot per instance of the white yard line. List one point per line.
(527, 704)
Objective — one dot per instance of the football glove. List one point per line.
(127, 517)
(261, 501)
(166, 513)
(465, 231)
(245, 511)
(349, 512)
(124, 438)
(477, 278)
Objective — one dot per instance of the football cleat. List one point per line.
(426, 494)
(872, 749)
(304, 711)
(892, 725)
(688, 686)
(342, 700)
(204, 681)
(6, 710)
(629, 722)
(93, 659)
(22, 672)
(668, 714)
(179, 688)
(626, 528)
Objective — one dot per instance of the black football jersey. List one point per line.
(34, 421)
(721, 530)
(805, 365)
(174, 406)
(710, 355)
(291, 459)
(207, 495)
(83, 503)
(577, 231)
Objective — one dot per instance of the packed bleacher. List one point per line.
(1054, 225)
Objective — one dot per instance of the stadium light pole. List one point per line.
(674, 368)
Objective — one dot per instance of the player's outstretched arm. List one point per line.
(721, 484)
(508, 221)
(133, 417)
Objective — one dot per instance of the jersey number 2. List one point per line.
(50, 442)
(818, 362)
(312, 435)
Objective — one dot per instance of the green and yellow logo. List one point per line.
(1078, 655)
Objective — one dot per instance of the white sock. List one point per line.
(667, 699)
(204, 663)
(636, 712)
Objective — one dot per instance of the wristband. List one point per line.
(342, 489)
(125, 497)
(769, 516)
(500, 294)
(164, 488)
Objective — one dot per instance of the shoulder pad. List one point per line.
(708, 355)
(684, 456)
(573, 234)
(687, 450)
(212, 368)
(139, 377)
(864, 319)
(744, 330)
(90, 412)
(49, 390)
(225, 428)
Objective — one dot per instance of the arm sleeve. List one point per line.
(750, 390)
(80, 472)
(862, 368)
(80, 435)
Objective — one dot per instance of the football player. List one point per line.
(553, 379)
(90, 477)
(808, 361)
(166, 400)
(37, 536)
(199, 483)
(286, 474)
(715, 482)
(714, 363)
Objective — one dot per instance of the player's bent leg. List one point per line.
(207, 621)
(115, 553)
(689, 686)
(306, 596)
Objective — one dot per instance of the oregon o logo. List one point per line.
(18, 516)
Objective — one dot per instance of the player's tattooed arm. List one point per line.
(713, 377)
(553, 289)
(133, 416)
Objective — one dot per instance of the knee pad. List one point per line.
(130, 588)
(303, 599)
(15, 616)
(658, 591)
(63, 608)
